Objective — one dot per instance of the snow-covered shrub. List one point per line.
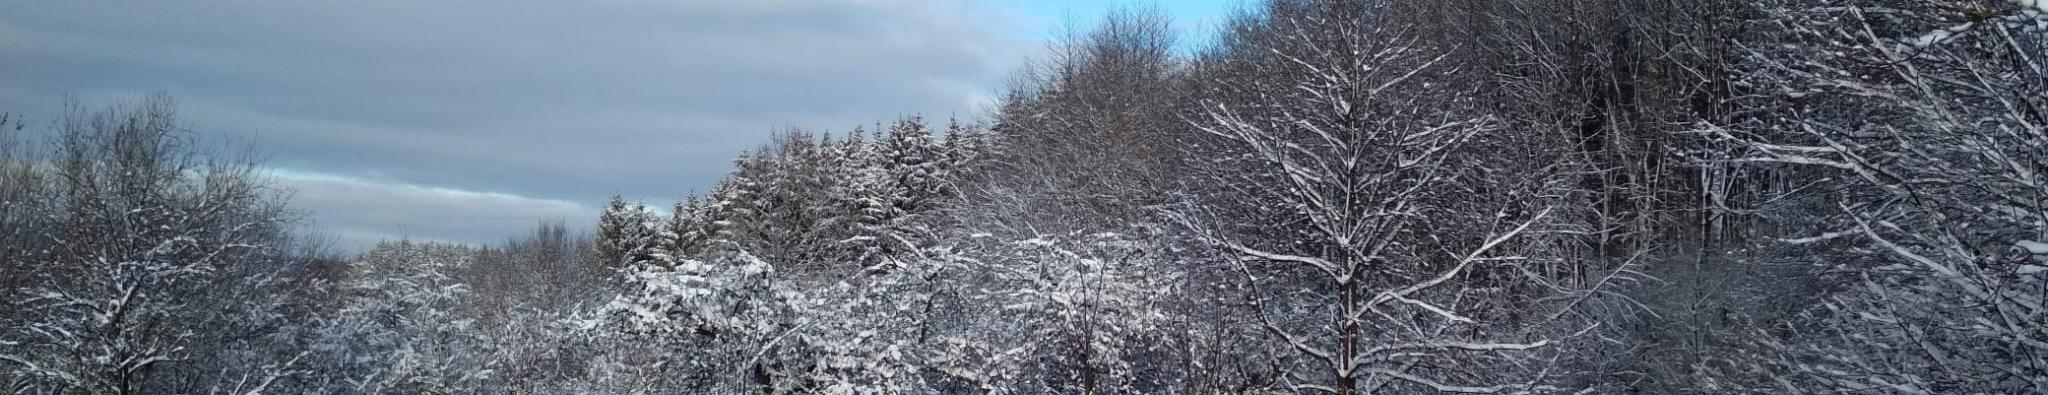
(400, 328)
(1079, 313)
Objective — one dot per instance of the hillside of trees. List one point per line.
(1331, 196)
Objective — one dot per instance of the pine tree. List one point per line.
(907, 159)
(738, 204)
(858, 170)
(659, 247)
(637, 231)
(962, 152)
(691, 230)
(832, 173)
(860, 198)
(613, 232)
(790, 195)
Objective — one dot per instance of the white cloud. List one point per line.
(358, 212)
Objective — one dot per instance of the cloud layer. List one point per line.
(392, 112)
(360, 212)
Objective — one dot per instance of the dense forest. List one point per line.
(1330, 196)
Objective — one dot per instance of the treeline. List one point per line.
(1332, 196)
(809, 200)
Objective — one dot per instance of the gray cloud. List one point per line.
(550, 102)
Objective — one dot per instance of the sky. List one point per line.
(471, 120)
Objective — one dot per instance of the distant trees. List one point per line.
(401, 329)
(139, 261)
(803, 200)
(1088, 135)
(549, 268)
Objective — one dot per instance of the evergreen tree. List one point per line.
(614, 230)
(832, 171)
(961, 154)
(908, 160)
(738, 204)
(659, 247)
(639, 233)
(690, 227)
(790, 197)
(860, 196)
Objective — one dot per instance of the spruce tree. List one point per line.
(907, 159)
(658, 244)
(736, 213)
(863, 194)
(690, 227)
(790, 194)
(960, 155)
(612, 232)
(638, 231)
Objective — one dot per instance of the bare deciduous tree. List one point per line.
(1387, 240)
(142, 223)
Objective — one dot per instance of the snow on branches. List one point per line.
(1381, 244)
(1041, 315)
(1925, 156)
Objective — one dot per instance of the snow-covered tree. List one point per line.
(142, 224)
(1388, 248)
(794, 231)
(910, 164)
(707, 319)
(738, 203)
(1906, 142)
(964, 149)
(616, 231)
(628, 233)
(858, 197)
(1090, 131)
(661, 246)
(691, 225)
(401, 328)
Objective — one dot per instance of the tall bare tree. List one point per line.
(1391, 234)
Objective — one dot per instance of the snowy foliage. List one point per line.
(1047, 316)
(628, 233)
(399, 329)
(802, 200)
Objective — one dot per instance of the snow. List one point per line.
(1932, 38)
(2033, 5)
(1935, 37)
(2040, 252)
(2033, 247)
